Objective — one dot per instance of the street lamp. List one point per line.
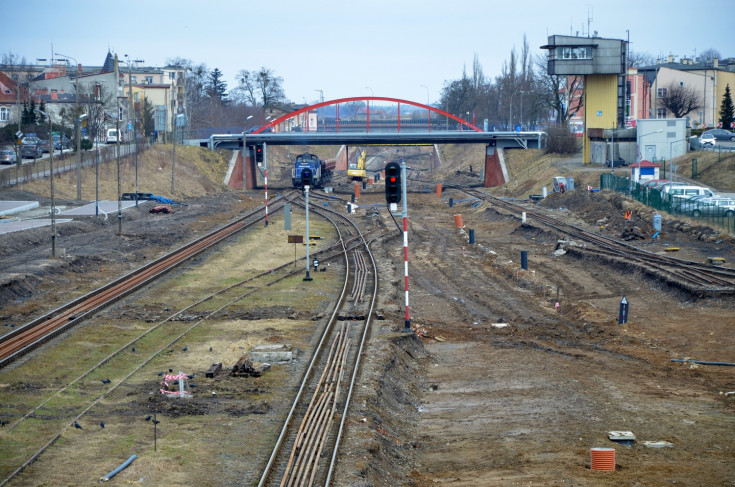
(117, 147)
(76, 107)
(644, 135)
(510, 113)
(132, 119)
(79, 154)
(51, 166)
(427, 93)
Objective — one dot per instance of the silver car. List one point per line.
(7, 156)
(713, 206)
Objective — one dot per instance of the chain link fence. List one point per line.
(702, 212)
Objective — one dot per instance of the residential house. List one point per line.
(710, 78)
(12, 96)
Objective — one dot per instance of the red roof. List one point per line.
(645, 163)
(7, 84)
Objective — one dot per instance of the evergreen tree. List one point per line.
(216, 86)
(727, 113)
(24, 119)
(32, 115)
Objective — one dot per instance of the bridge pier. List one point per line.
(235, 180)
(496, 173)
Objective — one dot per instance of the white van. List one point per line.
(112, 137)
(674, 193)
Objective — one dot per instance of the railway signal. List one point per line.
(392, 183)
(259, 153)
(305, 177)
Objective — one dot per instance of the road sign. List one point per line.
(19, 134)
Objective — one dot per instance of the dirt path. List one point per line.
(525, 403)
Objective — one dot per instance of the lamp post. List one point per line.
(640, 137)
(76, 107)
(510, 113)
(132, 119)
(79, 154)
(51, 171)
(671, 156)
(117, 147)
(427, 93)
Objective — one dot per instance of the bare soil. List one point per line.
(463, 400)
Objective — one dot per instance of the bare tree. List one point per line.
(680, 100)
(637, 59)
(559, 93)
(245, 92)
(260, 88)
(710, 53)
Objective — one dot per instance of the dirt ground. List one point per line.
(498, 385)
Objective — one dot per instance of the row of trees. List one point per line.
(209, 103)
(524, 93)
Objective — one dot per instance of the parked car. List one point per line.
(7, 156)
(710, 206)
(60, 142)
(678, 194)
(664, 187)
(112, 137)
(31, 151)
(45, 145)
(720, 134)
(707, 140)
(619, 162)
(655, 183)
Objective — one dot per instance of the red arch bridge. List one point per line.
(444, 129)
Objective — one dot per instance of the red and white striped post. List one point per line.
(405, 241)
(265, 179)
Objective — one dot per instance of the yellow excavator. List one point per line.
(356, 170)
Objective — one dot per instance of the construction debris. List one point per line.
(247, 368)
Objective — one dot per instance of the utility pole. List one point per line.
(131, 121)
(51, 171)
(78, 136)
(173, 132)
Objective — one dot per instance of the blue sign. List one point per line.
(599, 113)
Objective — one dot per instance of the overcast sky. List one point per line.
(348, 48)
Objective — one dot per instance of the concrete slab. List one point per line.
(272, 353)
(19, 225)
(105, 207)
(10, 207)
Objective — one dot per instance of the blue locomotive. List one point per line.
(309, 169)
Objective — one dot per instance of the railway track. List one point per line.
(310, 436)
(33, 334)
(694, 277)
(272, 276)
